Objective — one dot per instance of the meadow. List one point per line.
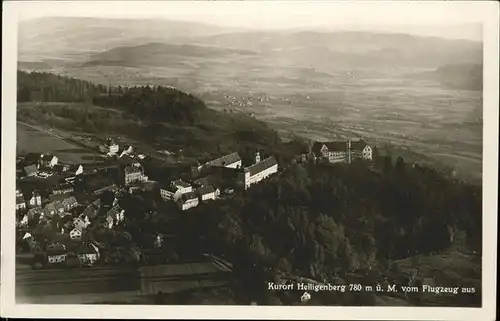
(33, 139)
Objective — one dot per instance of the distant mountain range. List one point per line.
(81, 38)
(199, 52)
(71, 37)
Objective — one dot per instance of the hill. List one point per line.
(161, 54)
(349, 47)
(462, 76)
(72, 37)
(160, 115)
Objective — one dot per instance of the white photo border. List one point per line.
(485, 12)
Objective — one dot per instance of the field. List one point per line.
(34, 139)
(405, 109)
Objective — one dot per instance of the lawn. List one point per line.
(32, 140)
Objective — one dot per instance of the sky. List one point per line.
(451, 19)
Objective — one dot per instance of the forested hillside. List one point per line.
(152, 114)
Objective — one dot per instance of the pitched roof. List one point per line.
(35, 210)
(206, 190)
(332, 147)
(78, 228)
(225, 160)
(56, 249)
(188, 196)
(170, 188)
(47, 157)
(358, 145)
(70, 201)
(63, 186)
(111, 187)
(114, 210)
(50, 207)
(261, 166)
(207, 180)
(180, 183)
(132, 169)
(31, 169)
(58, 197)
(86, 249)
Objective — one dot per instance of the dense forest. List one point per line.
(334, 223)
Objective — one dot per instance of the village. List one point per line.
(58, 205)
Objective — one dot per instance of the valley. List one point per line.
(314, 84)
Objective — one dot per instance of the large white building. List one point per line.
(258, 171)
(175, 190)
(134, 174)
(187, 201)
(208, 192)
(341, 151)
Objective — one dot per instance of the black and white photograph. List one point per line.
(250, 153)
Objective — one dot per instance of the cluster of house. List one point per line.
(86, 253)
(46, 165)
(202, 189)
(112, 149)
(57, 209)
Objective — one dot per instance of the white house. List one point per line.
(88, 253)
(20, 203)
(208, 192)
(69, 203)
(133, 174)
(56, 253)
(340, 151)
(56, 258)
(175, 190)
(24, 221)
(111, 147)
(79, 170)
(158, 242)
(48, 160)
(258, 171)
(76, 233)
(53, 208)
(81, 223)
(117, 214)
(187, 201)
(35, 199)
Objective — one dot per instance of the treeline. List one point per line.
(43, 87)
(153, 103)
(157, 104)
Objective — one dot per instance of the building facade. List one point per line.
(175, 190)
(187, 201)
(134, 174)
(258, 171)
(341, 151)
